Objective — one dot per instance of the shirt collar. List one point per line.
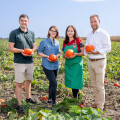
(97, 31)
(23, 31)
(50, 41)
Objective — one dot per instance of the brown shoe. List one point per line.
(94, 105)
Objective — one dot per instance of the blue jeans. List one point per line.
(51, 75)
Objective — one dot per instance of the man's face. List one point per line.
(23, 22)
(94, 23)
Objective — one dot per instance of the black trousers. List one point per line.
(75, 92)
(51, 75)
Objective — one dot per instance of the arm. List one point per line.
(34, 47)
(93, 52)
(59, 52)
(12, 49)
(64, 56)
(41, 50)
(78, 54)
(81, 53)
(34, 44)
(43, 55)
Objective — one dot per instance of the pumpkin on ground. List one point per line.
(116, 84)
(44, 98)
(2, 103)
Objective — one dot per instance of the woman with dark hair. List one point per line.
(47, 47)
(74, 64)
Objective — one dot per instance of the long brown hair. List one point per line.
(56, 29)
(66, 36)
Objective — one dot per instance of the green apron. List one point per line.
(73, 69)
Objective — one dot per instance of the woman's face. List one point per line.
(70, 32)
(52, 32)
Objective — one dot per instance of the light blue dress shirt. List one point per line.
(47, 47)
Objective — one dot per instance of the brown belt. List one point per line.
(96, 59)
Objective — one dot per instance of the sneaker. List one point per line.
(20, 109)
(49, 101)
(31, 101)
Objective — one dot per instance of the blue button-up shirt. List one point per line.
(47, 47)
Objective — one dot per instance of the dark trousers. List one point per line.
(51, 75)
(75, 92)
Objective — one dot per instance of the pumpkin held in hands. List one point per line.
(52, 57)
(28, 51)
(2, 103)
(69, 53)
(89, 48)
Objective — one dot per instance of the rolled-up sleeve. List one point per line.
(41, 47)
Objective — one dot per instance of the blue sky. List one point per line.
(44, 13)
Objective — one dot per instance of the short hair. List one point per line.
(23, 15)
(56, 29)
(94, 15)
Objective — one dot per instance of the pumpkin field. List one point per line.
(67, 108)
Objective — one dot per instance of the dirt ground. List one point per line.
(112, 103)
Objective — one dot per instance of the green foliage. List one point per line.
(66, 103)
(67, 109)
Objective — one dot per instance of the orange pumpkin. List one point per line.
(2, 103)
(44, 98)
(69, 53)
(81, 105)
(89, 48)
(116, 84)
(52, 57)
(28, 51)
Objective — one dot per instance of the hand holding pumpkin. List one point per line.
(89, 49)
(28, 52)
(70, 54)
(73, 56)
(52, 58)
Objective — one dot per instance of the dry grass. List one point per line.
(113, 38)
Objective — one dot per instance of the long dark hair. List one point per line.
(56, 29)
(66, 36)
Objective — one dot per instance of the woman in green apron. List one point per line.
(74, 64)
